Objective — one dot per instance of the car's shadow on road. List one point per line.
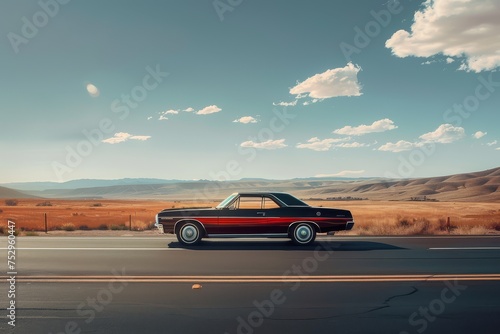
(338, 246)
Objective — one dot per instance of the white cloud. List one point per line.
(141, 138)
(267, 145)
(498, 149)
(449, 60)
(444, 134)
(454, 28)
(189, 109)
(93, 90)
(377, 126)
(317, 144)
(479, 134)
(286, 104)
(121, 137)
(322, 145)
(400, 146)
(352, 145)
(150, 117)
(492, 143)
(331, 83)
(163, 114)
(208, 110)
(342, 173)
(245, 120)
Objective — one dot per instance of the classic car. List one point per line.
(254, 214)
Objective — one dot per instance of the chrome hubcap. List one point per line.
(189, 233)
(303, 233)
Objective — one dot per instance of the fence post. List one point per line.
(45, 222)
(448, 225)
(130, 222)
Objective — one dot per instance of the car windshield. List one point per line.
(225, 202)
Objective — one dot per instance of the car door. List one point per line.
(245, 216)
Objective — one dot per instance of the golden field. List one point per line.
(371, 217)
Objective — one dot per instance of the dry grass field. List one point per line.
(371, 217)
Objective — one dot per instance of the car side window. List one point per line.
(269, 203)
(254, 203)
(234, 205)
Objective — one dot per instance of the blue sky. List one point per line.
(248, 89)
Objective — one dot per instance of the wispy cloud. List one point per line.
(331, 83)
(266, 145)
(189, 109)
(322, 145)
(479, 134)
(208, 110)
(245, 120)
(493, 143)
(286, 104)
(319, 145)
(352, 145)
(342, 173)
(377, 126)
(163, 114)
(466, 28)
(92, 90)
(121, 137)
(399, 146)
(444, 134)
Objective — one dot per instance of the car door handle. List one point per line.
(261, 213)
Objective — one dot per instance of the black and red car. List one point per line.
(260, 214)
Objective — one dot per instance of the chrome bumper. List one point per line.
(158, 225)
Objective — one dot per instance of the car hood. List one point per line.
(188, 211)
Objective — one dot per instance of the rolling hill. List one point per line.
(481, 186)
(11, 193)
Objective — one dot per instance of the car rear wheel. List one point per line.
(189, 233)
(303, 234)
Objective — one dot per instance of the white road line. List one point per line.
(464, 248)
(319, 239)
(100, 248)
(259, 279)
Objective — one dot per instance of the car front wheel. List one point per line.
(189, 234)
(303, 234)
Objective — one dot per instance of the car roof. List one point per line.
(283, 197)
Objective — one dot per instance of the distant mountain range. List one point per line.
(477, 186)
(84, 183)
(94, 183)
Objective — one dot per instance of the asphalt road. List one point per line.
(338, 285)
